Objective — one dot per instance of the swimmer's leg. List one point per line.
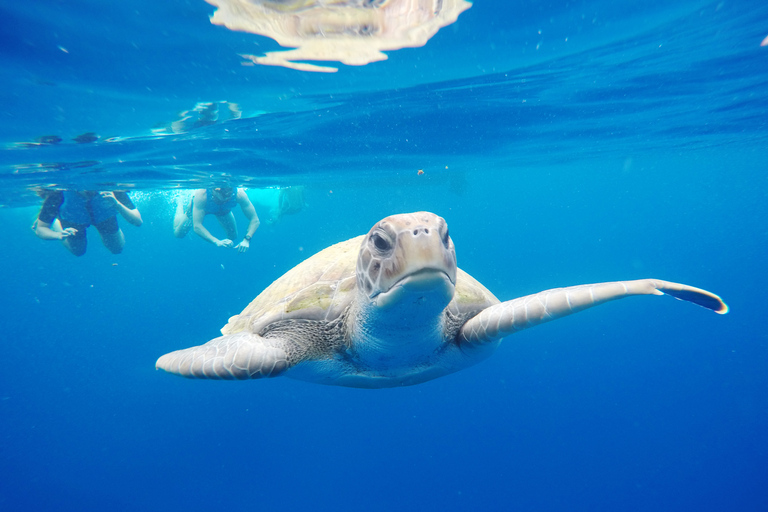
(114, 242)
(111, 235)
(77, 243)
(228, 223)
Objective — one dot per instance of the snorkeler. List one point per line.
(277, 202)
(218, 202)
(65, 215)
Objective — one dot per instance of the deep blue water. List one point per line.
(564, 143)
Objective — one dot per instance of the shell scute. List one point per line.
(320, 287)
(470, 294)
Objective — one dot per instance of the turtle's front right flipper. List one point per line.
(242, 355)
(515, 315)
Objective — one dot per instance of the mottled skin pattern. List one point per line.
(389, 308)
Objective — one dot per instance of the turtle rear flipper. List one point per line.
(240, 356)
(507, 318)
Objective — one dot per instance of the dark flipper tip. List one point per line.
(701, 297)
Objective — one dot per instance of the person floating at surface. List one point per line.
(75, 210)
(219, 202)
(278, 202)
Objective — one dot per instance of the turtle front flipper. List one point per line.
(515, 315)
(242, 355)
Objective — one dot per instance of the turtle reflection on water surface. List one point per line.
(353, 32)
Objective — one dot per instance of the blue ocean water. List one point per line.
(563, 142)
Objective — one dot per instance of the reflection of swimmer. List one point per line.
(203, 114)
(66, 215)
(278, 201)
(85, 138)
(218, 202)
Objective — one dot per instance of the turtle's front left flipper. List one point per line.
(242, 355)
(515, 315)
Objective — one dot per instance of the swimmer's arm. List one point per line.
(253, 220)
(132, 215)
(249, 211)
(43, 230)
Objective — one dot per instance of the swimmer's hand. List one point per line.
(224, 243)
(67, 233)
(243, 246)
(111, 196)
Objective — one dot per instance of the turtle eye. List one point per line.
(446, 237)
(380, 242)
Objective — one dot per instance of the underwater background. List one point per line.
(563, 142)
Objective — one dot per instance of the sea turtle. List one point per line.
(389, 308)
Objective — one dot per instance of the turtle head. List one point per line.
(407, 258)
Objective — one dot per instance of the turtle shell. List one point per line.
(322, 287)
(319, 288)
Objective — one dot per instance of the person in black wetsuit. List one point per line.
(218, 202)
(78, 209)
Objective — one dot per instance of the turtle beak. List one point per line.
(427, 286)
